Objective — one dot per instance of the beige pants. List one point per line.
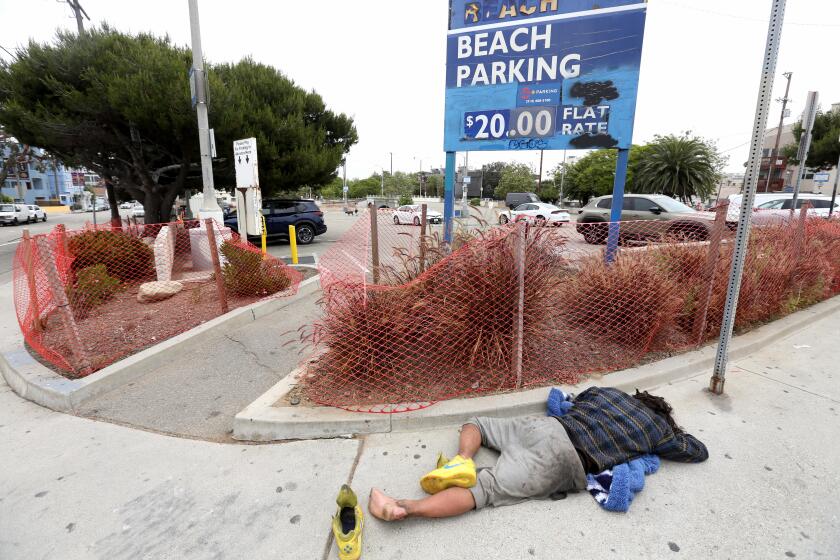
(537, 459)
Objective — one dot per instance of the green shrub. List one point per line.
(246, 273)
(475, 202)
(124, 256)
(93, 286)
(405, 200)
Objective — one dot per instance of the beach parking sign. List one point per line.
(542, 74)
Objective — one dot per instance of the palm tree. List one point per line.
(679, 166)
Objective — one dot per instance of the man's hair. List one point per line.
(660, 406)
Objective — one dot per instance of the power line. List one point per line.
(8, 52)
(748, 18)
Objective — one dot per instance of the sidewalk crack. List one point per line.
(768, 378)
(358, 458)
(249, 352)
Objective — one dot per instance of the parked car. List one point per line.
(36, 212)
(775, 212)
(539, 213)
(646, 217)
(305, 215)
(412, 213)
(14, 214)
(515, 200)
(125, 206)
(137, 211)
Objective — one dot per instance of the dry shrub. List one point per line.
(628, 302)
(124, 256)
(455, 321)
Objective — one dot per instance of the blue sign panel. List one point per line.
(542, 74)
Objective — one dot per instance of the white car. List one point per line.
(125, 206)
(37, 212)
(777, 211)
(14, 214)
(137, 211)
(412, 213)
(539, 213)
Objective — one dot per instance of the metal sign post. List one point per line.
(808, 118)
(765, 91)
(248, 197)
(834, 192)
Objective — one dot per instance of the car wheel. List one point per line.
(503, 219)
(594, 234)
(396, 221)
(15, 222)
(45, 217)
(539, 221)
(416, 221)
(305, 234)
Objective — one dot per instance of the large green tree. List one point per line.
(516, 177)
(594, 174)
(682, 167)
(825, 144)
(120, 105)
(492, 175)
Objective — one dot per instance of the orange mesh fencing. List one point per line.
(85, 299)
(527, 304)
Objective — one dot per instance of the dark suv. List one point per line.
(281, 213)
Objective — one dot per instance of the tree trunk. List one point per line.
(116, 221)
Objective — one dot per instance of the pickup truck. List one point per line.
(14, 214)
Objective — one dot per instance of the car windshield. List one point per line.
(673, 206)
(7, 208)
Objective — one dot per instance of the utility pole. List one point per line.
(742, 236)
(775, 153)
(392, 168)
(539, 180)
(78, 11)
(209, 206)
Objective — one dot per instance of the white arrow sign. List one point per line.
(245, 159)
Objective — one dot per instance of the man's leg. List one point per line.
(470, 441)
(448, 503)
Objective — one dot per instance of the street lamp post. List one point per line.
(209, 206)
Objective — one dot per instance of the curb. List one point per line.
(262, 422)
(35, 382)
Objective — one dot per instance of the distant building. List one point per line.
(36, 179)
(785, 173)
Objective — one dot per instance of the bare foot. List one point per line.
(384, 507)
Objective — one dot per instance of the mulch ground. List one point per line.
(122, 326)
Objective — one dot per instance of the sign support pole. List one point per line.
(449, 197)
(742, 237)
(617, 203)
(834, 192)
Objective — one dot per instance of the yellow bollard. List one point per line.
(264, 235)
(293, 243)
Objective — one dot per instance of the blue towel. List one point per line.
(559, 403)
(615, 488)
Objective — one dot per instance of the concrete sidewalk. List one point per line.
(77, 489)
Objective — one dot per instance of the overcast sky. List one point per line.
(383, 62)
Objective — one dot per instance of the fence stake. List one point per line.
(61, 230)
(30, 278)
(519, 319)
(374, 242)
(423, 211)
(702, 316)
(799, 238)
(81, 364)
(217, 267)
